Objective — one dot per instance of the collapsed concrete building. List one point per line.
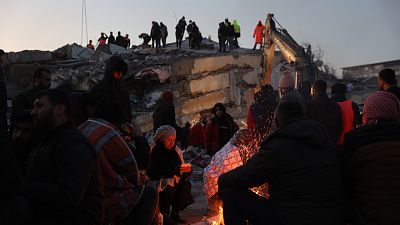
(198, 78)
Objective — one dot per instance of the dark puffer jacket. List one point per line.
(371, 171)
(300, 165)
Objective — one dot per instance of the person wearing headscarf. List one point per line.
(166, 170)
(371, 163)
(219, 130)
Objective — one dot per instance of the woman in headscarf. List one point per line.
(167, 170)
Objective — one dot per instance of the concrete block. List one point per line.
(204, 102)
(27, 56)
(182, 67)
(209, 84)
(208, 64)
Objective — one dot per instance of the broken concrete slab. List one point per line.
(214, 63)
(209, 84)
(204, 102)
(27, 56)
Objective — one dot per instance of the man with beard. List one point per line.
(24, 100)
(62, 185)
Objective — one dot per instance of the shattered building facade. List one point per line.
(198, 78)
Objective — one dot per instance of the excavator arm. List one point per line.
(290, 50)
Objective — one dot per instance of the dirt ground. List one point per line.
(198, 210)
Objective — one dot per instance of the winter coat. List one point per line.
(236, 28)
(301, 168)
(259, 33)
(213, 140)
(164, 163)
(371, 168)
(24, 100)
(196, 135)
(164, 114)
(62, 180)
(118, 91)
(111, 39)
(325, 111)
(120, 180)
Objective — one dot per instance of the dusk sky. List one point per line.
(351, 32)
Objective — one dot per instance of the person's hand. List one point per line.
(186, 168)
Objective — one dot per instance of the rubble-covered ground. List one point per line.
(198, 78)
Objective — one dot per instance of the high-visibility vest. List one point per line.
(346, 108)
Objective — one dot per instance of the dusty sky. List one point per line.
(351, 32)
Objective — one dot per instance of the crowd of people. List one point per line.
(324, 163)
(68, 159)
(228, 34)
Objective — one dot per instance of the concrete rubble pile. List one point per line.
(198, 78)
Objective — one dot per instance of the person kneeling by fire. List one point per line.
(169, 173)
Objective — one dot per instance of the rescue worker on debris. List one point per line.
(127, 41)
(155, 34)
(119, 40)
(189, 30)
(90, 45)
(258, 34)
(236, 28)
(146, 39)
(179, 32)
(164, 33)
(111, 38)
(222, 33)
(102, 39)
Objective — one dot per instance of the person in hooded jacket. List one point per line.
(113, 86)
(258, 34)
(299, 164)
(219, 130)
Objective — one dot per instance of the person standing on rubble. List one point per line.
(155, 34)
(119, 40)
(258, 34)
(90, 45)
(236, 29)
(164, 33)
(222, 33)
(127, 42)
(111, 38)
(112, 85)
(230, 34)
(102, 39)
(196, 37)
(179, 31)
(189, 30)
(219, 130)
